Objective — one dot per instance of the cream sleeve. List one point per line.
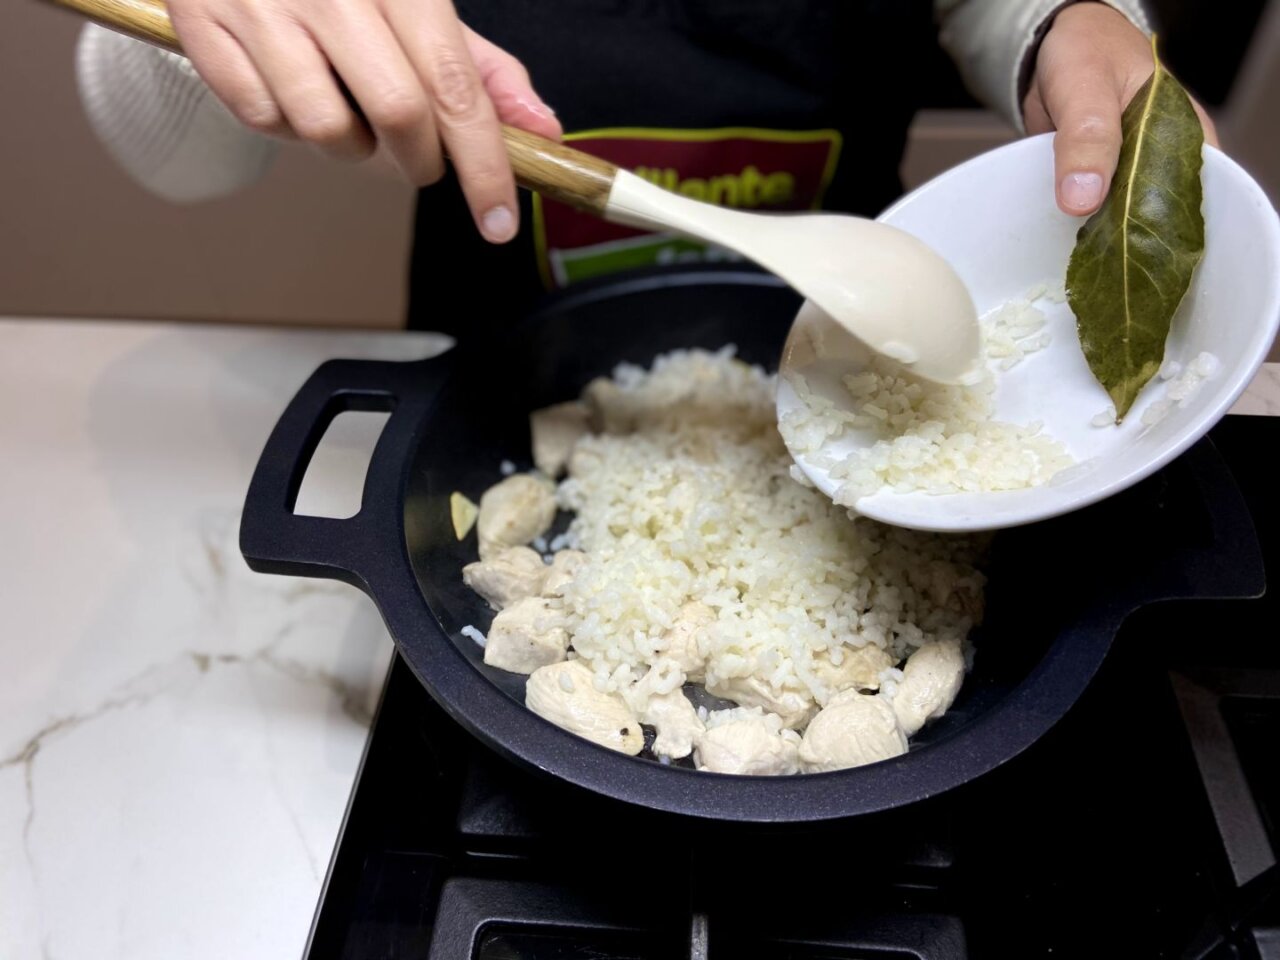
(161, 123)
(991, 40)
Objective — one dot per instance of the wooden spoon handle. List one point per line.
(144, 19)
(558, 171)
(551, 168)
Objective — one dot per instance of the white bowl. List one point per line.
(994, 218)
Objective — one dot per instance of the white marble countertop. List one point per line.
(178, 735)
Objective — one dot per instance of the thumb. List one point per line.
(1086, 113)
(1083, 103)
(507, 83)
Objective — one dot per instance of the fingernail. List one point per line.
(499, 224)
(536, 107)
(1082, 191)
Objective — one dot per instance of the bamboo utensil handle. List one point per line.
(551, 168)
(143, 19)
(558, 171)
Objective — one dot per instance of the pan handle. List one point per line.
(273, 538)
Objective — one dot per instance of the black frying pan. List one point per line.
(1058, 590)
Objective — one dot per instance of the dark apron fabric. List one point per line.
(785, 65)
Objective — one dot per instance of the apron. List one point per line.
(757, 104)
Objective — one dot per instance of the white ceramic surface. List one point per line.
(178, 734)
(994, 218)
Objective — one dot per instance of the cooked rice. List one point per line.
(889, 680)
(930, 437)
(1181, 385)
(697, 503)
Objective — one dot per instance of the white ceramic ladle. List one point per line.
(883, 285)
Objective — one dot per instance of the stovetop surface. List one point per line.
(1143, 825)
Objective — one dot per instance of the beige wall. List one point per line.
(314, 242)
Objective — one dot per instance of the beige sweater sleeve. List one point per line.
(990, 41)
(161, 123)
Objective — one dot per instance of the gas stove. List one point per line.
(1143, 825)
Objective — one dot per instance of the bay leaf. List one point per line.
(1134, 258)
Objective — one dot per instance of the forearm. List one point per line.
(992, 42)
(161, 123)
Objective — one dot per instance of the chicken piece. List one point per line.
(930, 681)
(507, 576)
(526, 635)
(565, 694)
(860, 668)
(677, 723)
(609, 408)
(555, 430)
(564, 567)
(513, 512)
(585, 459)
(658, 700)
(749, 746)
(795, 708)
(681, 639)
(854, 728)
